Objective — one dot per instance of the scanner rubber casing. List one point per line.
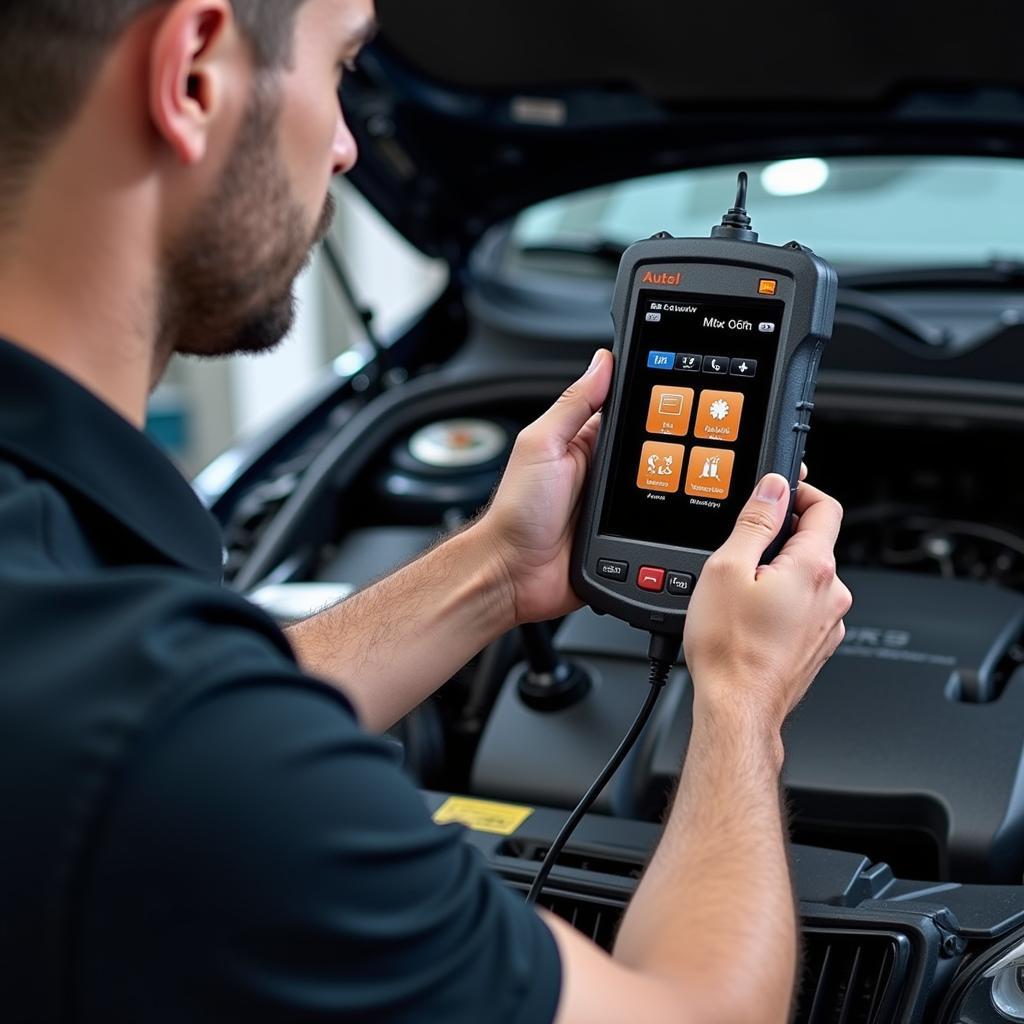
(808, 286)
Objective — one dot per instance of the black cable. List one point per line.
(736, 222)
(741, 192)
(663, 651)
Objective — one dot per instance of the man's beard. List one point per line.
(229, 277)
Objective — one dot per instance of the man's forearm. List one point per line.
(392, 645)
(715, 911)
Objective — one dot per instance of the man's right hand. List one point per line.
(757, 635)
(710, 936)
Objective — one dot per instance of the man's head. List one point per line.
(223, 113)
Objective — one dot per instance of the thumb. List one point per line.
(578, 403)
(759, 521)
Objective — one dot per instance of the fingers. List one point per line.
(832, 643)
(803, 471)
(578, 403)
(758, 523)
(819, 514)
(811, 549)
(844, 600)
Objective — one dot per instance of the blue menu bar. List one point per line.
(661, 360)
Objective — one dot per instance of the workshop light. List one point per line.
(795, 177)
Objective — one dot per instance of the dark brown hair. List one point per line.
(50, 51)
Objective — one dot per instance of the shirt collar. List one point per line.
(59, 427)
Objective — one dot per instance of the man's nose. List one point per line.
(346, 151)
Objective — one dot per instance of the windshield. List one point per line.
(855, 211)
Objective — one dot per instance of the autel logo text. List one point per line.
(663, 278)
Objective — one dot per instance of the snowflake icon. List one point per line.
(719, 409)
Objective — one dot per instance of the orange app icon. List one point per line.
(710, 473)
(670, 411)
(718, 415)
(661, 467)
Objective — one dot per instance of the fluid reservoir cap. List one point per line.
(459, 444)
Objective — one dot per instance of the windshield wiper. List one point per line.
(886, 314)
(859, 296)
(997, 274)
(604, 249)
(856, 300)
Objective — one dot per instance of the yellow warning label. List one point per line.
(482, 815)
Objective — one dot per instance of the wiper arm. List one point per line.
(858, 298)
(997, 274)
(855, 301)
(887, 314)
(604, 249)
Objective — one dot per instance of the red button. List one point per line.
(650, 579)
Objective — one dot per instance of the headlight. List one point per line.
(1007, 990)
(994, 991)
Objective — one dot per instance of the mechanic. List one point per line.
(198, 822)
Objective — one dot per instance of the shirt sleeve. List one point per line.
(263, 860)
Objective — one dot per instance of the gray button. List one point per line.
(681, 584)
(617, 571)
(716, 364)
(743, 367)
(688, 361)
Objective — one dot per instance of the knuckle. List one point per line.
(720, 566)
(823, 570)
(831, 645)
(569, 395)
(757, 519)
(525, 438)
(712, 567)
(531, 444)
(835, 639)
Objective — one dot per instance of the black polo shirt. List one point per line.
(192, 830)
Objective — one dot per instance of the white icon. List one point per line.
(716, 366)
(648, 578)
(743, 367)
(766, 328)
(671, 405)
(654, 318)
(659, 465)
(720, 409)
(710, 470)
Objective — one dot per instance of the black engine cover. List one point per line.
(908, 748)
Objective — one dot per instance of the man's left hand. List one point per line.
(533, 516)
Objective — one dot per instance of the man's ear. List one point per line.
(190, 59)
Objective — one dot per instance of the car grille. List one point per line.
(597, 919)
(849, 976)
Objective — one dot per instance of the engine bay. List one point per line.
(908, 748)
(903, 762)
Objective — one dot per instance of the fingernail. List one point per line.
(771, 489)
(594, 363)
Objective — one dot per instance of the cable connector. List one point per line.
(663, 650)
(736, 223)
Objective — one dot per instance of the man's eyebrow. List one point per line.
(365, 34)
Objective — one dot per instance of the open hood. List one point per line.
(468, 111)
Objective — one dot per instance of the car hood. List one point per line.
(468, 111)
